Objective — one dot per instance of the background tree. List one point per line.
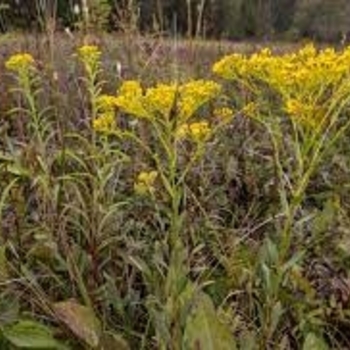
(228, 19)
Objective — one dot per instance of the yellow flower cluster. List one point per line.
(194, 95)
(90, 56)
(106, 103)
(305, 113)
(197, 131)
(224, 114)
(186, 98)
(145, 182)
(105, 121)
(238, 66)
(130, 99)
(21, 62)
(155, 103)
(161, 99)
(306, 74)
(131, 89)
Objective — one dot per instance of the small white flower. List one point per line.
(76, 9)
(119, 69)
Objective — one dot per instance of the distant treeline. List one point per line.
(226, 19)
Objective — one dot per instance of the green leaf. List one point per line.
(9, 308)
(314, 342)
(18, 170)
(249, 341)
(3, 264)
(204, 330)
(30, 335)
(277, 312)
(80, 320)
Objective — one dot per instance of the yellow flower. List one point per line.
(161, 99)
(21, 62)
(130, 99)
(182, 131)
(90, 56)
(89, 52)
(224, 114)
(131, 88)
(250, 109)
(132, 106)
(293, 107)
(199, 131)
(104, 123)
(106, 102)
(227, 67)
(145, 182)
(305, 113)
(186, 98)
(194, 95)
(305, 81)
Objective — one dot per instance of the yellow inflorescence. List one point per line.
(106, 102)
(161, 99)
(186, 98)
(130, 99)
(182, 131)
(308, 73)
(224, 114)
(197, 131)
(131, 88)
(145, 182)
(305, 113)
(194, 95)
(20, 62)
(104, 123)
(90, 56)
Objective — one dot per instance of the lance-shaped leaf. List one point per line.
(204, 330)
(80, 320)
(30, 335)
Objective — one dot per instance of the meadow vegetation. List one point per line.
(192, 200)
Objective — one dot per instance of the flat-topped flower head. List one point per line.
(21, 62)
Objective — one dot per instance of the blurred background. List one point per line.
(320, 20)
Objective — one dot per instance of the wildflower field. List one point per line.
(199, 200)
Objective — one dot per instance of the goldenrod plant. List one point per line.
(302, 99)
(203, 211)
(173, 114)
(312, 90)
